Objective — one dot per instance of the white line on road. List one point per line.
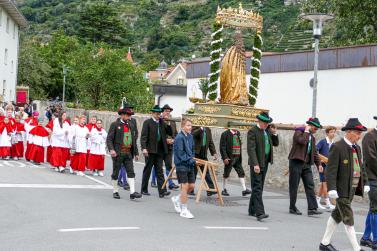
(99, 182)
(237, 228)
(54, 186)
(96, 229)
(11, 163)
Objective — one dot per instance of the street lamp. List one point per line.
(318, 19)
(64, 77)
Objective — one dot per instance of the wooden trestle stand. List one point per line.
(208, 167)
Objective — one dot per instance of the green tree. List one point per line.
(100, 22)
(204, 88)
(102, 79)
(33, 70)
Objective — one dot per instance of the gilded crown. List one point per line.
(239, 18)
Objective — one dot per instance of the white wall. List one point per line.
(178, 103)
(342, 94)
(8, 71)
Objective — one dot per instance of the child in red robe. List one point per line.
(30, 123)
(5, 139)
(18, 137)
(39, 140)
(49, 127)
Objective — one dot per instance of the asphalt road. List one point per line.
(44, 210)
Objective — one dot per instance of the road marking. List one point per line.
(237, 228)
(54, 186)
(10, 163)
(99, 182)
(96, 229)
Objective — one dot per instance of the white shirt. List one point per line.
(98, 141)
(348, 142)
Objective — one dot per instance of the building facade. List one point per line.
(11, 20)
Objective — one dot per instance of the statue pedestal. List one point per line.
(224, 115)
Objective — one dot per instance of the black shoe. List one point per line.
(224, 193)
(295, 211)
(252, 214)
(246, 192)
(163, 194)
(366, 243)
(262, 216)
(116, 195)
(126, 187)
(146, 193)
(192, 193)
(327, 247)
(135, 195)
(314, 212)
(153, 184)
(173, 187)
(210, 193)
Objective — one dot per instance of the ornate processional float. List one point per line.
(231, 103)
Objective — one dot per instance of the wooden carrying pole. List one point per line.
(208, 167)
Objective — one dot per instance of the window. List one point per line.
(14, 30)
(8, 21)
(180, 80)
(1, 17)
(11, 66)
(6, 57)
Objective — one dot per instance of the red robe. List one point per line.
(50, 125)
(18, 148)
(5, 146)
(37, 148)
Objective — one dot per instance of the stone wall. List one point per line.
(276, 177)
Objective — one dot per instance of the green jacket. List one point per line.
(339, 172)
(256, 146)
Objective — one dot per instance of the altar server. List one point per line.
(97, 151)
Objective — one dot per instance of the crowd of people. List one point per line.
(344, 172)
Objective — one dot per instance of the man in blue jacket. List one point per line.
(185, 165)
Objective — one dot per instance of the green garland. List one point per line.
(215, 60)
(255, 68)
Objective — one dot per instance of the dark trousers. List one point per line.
(300, 170)
(343, 210)
(257, 184)
(150, 161)
(125, 159)
(235, 163)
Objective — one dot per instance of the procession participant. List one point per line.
(154, 146)
(121, 142)
(323, 148)
(203, 142)
(122, 179)
(60, 142)
(18, 139)
(23, 115)
(96, 157)
(39, 140)
(370, 160)
(80, 135)
(302, 156)
(230, 150)
(49, 126)
(185, 165)
(260, 142)
(5, 139)
(30, 123)
(346, 177)
(92, 124)
(168, 158)
(2, 115)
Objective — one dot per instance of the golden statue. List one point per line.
(233, 88)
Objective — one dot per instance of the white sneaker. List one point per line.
(100, 173)
(56, 169)
(329, 205)
(176, 203)
(95, 173)
(7, 158)
(71, 170)
(80, 173)
(15, 158)
(61, 169)
(319, 204)
(186, 214)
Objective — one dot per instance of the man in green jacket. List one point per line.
(260, 142)
(345, 178)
